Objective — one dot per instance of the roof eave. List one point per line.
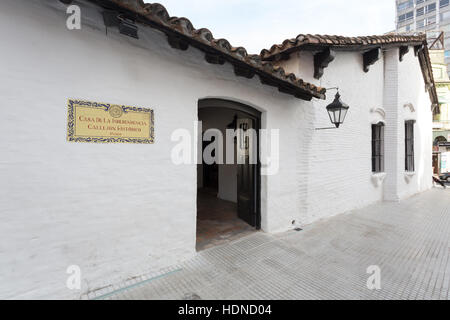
(156, 16)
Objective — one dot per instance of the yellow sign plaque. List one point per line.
(109, 123)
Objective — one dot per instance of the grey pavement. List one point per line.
(409, 241)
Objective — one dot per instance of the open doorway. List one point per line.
(228, 196)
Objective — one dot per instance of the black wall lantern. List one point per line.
(337, 111)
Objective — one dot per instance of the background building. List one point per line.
(430, 16)
(441, 116)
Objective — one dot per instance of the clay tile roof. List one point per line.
(305, 40)
(316, 42)
(156, 16)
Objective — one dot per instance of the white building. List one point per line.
(120, 210)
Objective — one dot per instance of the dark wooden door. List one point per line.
(246, 177)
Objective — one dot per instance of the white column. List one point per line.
(393, 162)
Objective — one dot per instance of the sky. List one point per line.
(258, 24)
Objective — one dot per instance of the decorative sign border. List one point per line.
(106, 106)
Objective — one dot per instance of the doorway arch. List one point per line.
(229, 104)
(439, 140)
(248, 176)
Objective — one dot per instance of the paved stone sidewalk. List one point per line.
(409, 241)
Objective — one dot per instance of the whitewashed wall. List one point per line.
(339, 162)
(340, 171)
(414, 104)
(119, 211)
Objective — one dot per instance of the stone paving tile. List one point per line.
(409, 241)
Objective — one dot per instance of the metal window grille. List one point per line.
(409, 146)
(378, 148)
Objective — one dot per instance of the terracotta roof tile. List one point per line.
(157, 16)
(303, 40)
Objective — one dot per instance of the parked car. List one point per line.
(445, 176)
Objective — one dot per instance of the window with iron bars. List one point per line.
(409, 146)
(378, 148)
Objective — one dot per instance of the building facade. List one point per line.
(441, 116)
(428, 16)
(120, 210)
